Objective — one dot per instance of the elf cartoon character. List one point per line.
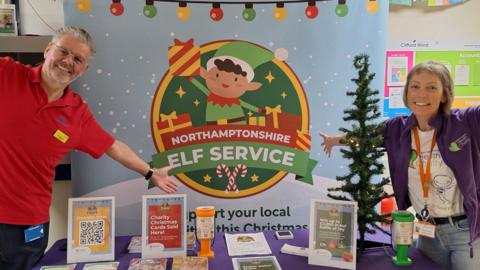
(228, 75)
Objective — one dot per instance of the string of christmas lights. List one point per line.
(216, 12)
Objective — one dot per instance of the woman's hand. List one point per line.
(330, 141)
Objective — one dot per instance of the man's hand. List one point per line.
(122, 153)
(161, 179)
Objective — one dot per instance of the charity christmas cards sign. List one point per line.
(332, 233)
(164, 226)
(91, 229)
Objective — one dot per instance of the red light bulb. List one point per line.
(216, 13)
(116, 8)
(311, 11)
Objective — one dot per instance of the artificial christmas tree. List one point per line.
(364, 150)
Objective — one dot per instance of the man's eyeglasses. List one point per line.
(79, 60)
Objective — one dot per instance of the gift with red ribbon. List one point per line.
(171, 122)
(184, 58)
(276, 118)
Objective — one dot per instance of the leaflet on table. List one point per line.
(101, 266)
(247, 244)
(256, 263)
(148, 264)
(190, 263)
(164, 226)
(91, 229)
(59, 267)
(294, 250)
(332, 238)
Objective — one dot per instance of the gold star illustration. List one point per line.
(283, 94)
(250, 113)
(254, 178)
(180, 92)
(207, 178)
(270, 77)
(196, 102)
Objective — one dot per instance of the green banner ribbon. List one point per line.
(251, 154)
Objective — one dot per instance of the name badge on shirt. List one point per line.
(59, 135)
(424, 229)
(33, 233)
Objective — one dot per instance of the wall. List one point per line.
(455, 22)
(62, 190)
(459, 21)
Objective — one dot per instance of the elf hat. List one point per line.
(245, 54)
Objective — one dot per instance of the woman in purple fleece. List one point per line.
(444, 188)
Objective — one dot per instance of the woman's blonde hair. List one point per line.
(443, 74)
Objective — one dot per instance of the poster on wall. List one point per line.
(332, 233)
(91, 229)
(464, 67)
(398, 64)
(164, 226)
(397, 68)
(8, 22)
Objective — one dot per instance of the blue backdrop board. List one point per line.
(253, 153)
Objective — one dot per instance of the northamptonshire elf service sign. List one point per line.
(231, 117)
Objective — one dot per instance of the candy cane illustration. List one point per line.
(232, 185)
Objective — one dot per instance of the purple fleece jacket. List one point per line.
(458, 140)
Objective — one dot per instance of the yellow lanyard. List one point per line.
(424, 175)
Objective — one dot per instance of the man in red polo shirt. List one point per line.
(41, 120)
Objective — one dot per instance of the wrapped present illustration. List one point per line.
(277, 119)
(274, 112)
(184, 58)
(171, 122)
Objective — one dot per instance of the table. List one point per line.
(374, 258)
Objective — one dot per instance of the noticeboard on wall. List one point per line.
(463, 63)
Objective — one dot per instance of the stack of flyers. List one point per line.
(148, 264)
(101, 266)
(135, 245)
(59, 267)
(190, 263)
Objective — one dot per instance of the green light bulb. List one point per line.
(149, 11)
(249, 14)
(341, 10)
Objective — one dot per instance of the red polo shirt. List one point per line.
(34, 137)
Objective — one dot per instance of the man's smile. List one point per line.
(65, 68)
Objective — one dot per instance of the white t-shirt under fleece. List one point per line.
(444, 198)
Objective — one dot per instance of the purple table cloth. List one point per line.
(375, 258)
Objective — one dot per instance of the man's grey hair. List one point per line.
(77, 32)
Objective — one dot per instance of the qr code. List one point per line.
(92, 232)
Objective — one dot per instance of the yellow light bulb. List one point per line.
(183, 13)
(83, 6)
(279, 13)
(372, 6)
